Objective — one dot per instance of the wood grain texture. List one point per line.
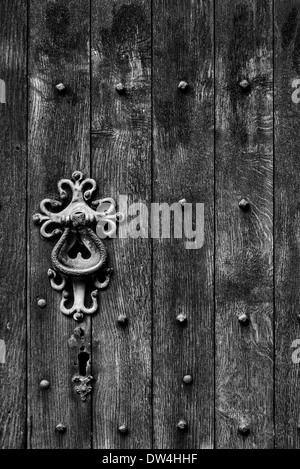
(13, 151)
(244, 256)
(183, 138)
(121, 163)
(287, 222)
(58, 144)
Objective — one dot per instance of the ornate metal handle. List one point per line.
(79, 256)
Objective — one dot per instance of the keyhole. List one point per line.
(77, 248)
(83, 358)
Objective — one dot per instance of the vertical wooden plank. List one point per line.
(287, 225)
(121, 52)
(13, 151)
(58, 145)
(183, 168)
(244, 256)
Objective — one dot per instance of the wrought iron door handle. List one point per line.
(79, 256)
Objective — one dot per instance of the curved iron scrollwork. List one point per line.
(79, 256)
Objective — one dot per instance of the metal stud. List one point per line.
(123, 429)
(42, 303)
(44, 384)
(244, 84)
(120, 88)
(60, 87)
(182, 202)
(244, 319)
(244, 204)
(187, 379)
(122, 320)
(183, 85)
(182, 425)
(244, 429)
(78, 317)
(181, 318)
(61, 428)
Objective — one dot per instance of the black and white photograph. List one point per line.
(149, 227)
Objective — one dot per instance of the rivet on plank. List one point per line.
(183, 85)
(187, 379)
(123, 429)
(60, 87)
(244, 84)
(61, 428)
(244, 319)
(182, 202)
(120, 88)
(122, 320)
(42, 303)
(244, 204)
(244, 429)
(181, 318)
(182, 425)
(44, 384)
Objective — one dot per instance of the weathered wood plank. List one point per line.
(244, 256)
(183, 168)
(13, 152)
(121, 163)
(58, 144)
(287, 270)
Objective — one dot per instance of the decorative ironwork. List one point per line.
(84, 388)
(79, 256)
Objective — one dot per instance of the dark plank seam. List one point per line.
(151, 240)
(27, 428)
(91, 117)
(274, 300)
(214, 249)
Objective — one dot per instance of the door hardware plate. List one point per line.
(79, 257)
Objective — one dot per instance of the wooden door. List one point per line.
(160, 102)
